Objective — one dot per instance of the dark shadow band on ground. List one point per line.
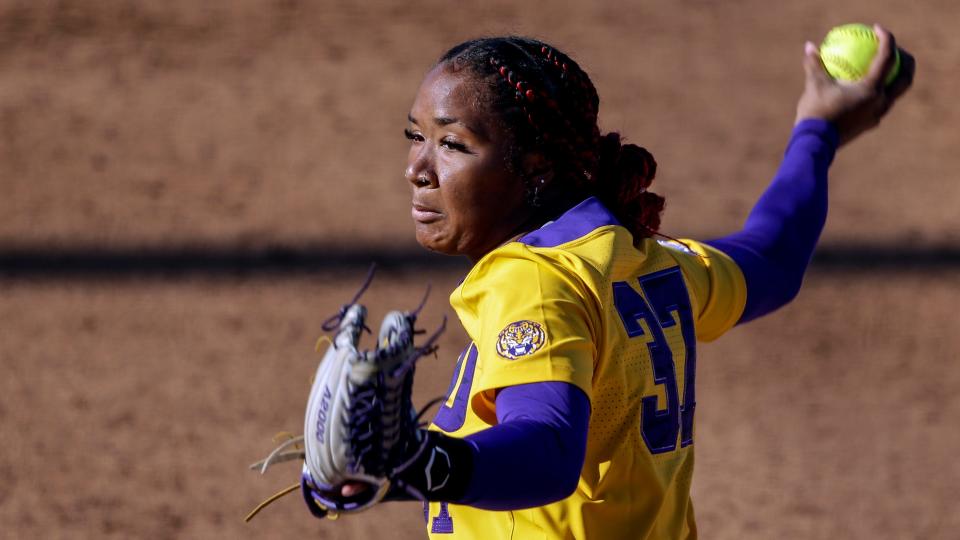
(278, 261)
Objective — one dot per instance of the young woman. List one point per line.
(571, 412)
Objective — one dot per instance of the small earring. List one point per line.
(535, 198)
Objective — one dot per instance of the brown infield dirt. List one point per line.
(130, 406)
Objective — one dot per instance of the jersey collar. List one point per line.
(580, 220)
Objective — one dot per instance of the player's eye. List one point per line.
(453, 144)
(410, 135)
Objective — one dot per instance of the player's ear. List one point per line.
(537, 169)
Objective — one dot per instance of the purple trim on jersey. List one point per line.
(534, 455)
(776, 243)
(443, 523)
(574, 223)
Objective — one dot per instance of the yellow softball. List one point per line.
(847, 51)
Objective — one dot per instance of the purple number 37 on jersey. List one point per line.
(667, 304)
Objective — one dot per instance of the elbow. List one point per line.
(567, 476)
(773, 295)
(793, 278)
(791, 289)
(569, 483)
(564, 484)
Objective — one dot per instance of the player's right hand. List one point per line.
(854, 107)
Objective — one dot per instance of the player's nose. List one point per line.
(420, 171)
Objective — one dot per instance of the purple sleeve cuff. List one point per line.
(820, 128)
(776, 243)
(534, 455)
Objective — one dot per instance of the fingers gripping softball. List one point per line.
(854, 79)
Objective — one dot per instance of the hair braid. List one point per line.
(549, 105)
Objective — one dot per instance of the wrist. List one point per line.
(440, 470)
(821, 128)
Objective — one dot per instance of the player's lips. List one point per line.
(424, 214)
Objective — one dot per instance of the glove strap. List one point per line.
(306, 487)
(440, 470)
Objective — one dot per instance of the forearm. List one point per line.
(776, 243)
(537, 449)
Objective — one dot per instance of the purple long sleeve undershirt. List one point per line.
(536, 449)
(776, 243)
(538, 446)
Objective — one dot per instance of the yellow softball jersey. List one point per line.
(577, 302)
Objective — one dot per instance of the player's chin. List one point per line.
(433, 237)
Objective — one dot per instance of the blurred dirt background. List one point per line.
(130, 404)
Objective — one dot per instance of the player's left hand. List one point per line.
(855, 108)
(360, 428)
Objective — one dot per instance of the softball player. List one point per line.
(571, 412)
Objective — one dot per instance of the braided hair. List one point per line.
(546, 103)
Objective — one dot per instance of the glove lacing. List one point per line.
(399, 421)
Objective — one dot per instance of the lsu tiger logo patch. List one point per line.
(520, 338)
